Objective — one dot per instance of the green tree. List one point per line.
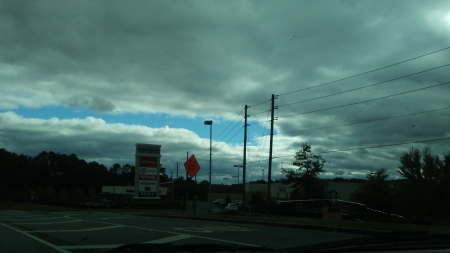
(423, 166)
(92, 195)
(50, 195)
(126, 175)
(63, 196)
(376, 192)
(204, 182)
(305, 178)
(78, 196)
(115, 169)
(424, 192)
(163, 177)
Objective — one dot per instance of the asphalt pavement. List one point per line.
(97, 231)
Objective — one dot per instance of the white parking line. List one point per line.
(34, 219)
(37, 239)
(111, 246)
(162, 231)
(39, 223)
(18, 217)
(75, 230)
(215, 229)
(68, 215)
(170, 239)
(232, 242)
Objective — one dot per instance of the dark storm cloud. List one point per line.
(96, 104)
(201, 58)
(200, 49)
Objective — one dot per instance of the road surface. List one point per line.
(79, 231)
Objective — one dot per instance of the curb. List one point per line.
(322, 228)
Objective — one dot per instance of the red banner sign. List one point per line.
(147, 177)
(151, 162)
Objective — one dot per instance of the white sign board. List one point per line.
(148, 171)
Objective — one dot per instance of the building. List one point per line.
(282, 191)
(344, 189)
(124, 194)
(278, 190)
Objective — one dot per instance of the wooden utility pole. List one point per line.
(244, 163)
(269, 176)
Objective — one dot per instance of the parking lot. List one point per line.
(100, 231)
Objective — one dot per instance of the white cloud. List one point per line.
(207, 60)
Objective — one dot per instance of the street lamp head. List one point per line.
(208, 122)
(238, 166)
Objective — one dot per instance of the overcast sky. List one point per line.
(93, 78)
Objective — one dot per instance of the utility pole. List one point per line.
(195, 193)
(269, 194)
(245, 158)
(175, 187)
(185, 197)
(209, 123)
(262, 175)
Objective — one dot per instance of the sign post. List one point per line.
(146, 180)
(192, 168)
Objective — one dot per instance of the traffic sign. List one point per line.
(192, 166)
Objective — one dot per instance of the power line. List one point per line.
(363, 73)
(377, 146)
(203, 153)
(216, 142)
(367, 121)
(224, 169)
(228, 140)
(263, 121)
(361, 102)
(230, 124)
(261, 161)
(223, 145)
(265, 139)
(258, 113)
(261, 147)
(237, 124)
(367, 86)
(259, 103)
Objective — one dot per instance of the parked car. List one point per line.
(231, 207)
(237, 202)
(218, 201)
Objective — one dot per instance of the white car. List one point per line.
(218, 201)
(238, 202)
(231, 207)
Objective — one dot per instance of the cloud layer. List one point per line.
(208, 59)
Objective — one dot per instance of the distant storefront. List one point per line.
(126, 193)
(282, 191)
(344, 189)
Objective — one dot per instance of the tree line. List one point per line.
(421, 193)
(55, 178)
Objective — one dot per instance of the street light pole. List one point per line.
(209, 122)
